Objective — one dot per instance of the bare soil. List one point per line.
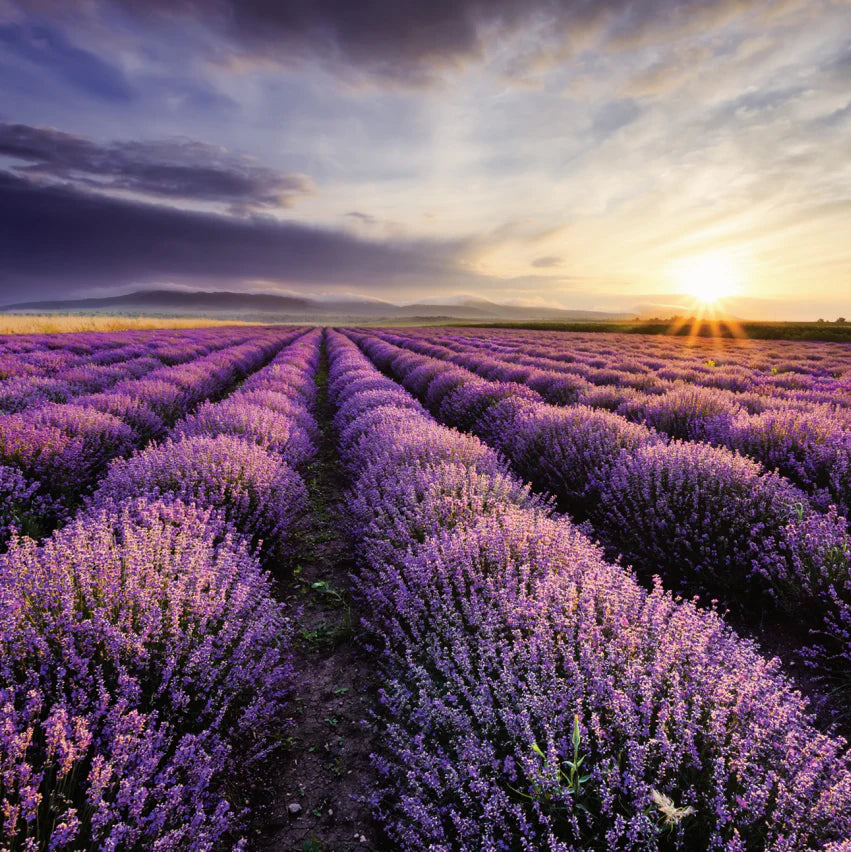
(314, 795)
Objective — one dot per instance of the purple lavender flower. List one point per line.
(256, 491)
(509, 647)
(140, 663)
(704, 518)
(258, 425)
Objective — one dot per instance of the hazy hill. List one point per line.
(271, 307)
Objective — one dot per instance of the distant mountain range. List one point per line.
(269, 307)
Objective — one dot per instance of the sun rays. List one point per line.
(710, 280)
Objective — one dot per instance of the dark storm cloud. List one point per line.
(54, 240)
(176, 168)
(49, 50)
(383, 37)
(406, 42)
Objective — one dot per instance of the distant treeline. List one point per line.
(831, 331)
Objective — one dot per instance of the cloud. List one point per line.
(411, 43)
(614, 115)
(364, 218)
(547, 262)
(48, 49)
(667, 73)
(734, 122)
(56, 239)
(176, 168)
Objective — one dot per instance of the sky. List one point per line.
(620, 156)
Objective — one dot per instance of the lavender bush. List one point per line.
(467, 405)
(64, 449)
(256, 491)
(536, 697)
(63, 446)
(703, 517)
(259, 425)
(687, 412)
(397, 508)
(568, 451)
(705, 401)
(23, 508)
(142, 658)
(706, 519)
(812, 449)
(512, 649)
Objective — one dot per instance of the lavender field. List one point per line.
(591, 591)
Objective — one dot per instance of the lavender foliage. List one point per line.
(706, 519)
(140, 661)
(509, 647)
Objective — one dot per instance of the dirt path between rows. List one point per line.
(314, 795)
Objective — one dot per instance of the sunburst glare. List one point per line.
(708, 278)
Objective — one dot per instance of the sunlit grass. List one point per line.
(62, 323)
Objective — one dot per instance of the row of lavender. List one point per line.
(30, 347)
(657, 367)
(64, 366)
(771, 366)
(144, 663)
(706, 519)
(44, 355)
(240, 456)
(808, 442)
(536, 697)
(52, 454)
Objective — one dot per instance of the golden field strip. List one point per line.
(62, 323)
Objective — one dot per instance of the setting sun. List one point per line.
(708, 278)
